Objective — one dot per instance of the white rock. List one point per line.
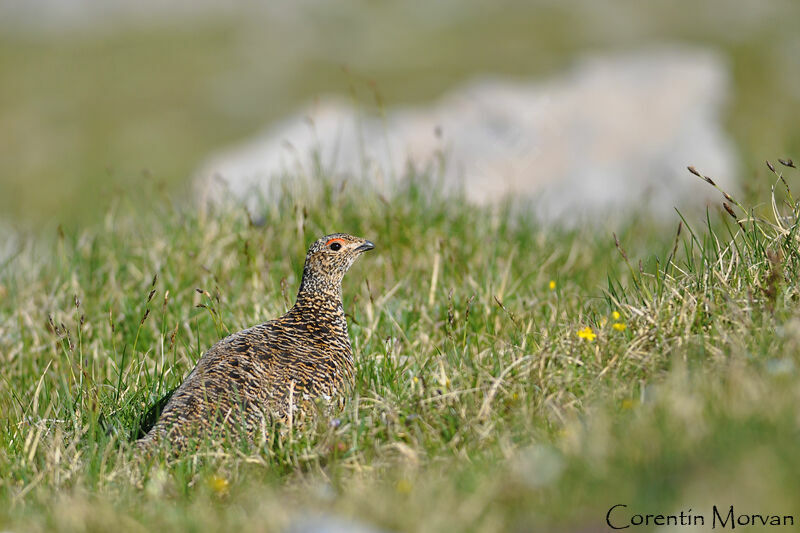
(319, 523)
(613, 133)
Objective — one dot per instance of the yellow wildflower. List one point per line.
(403, 486)
(587, 334)
(219, 485)
(620, 326)
(552, 285)
(615, 315)
(627, 404)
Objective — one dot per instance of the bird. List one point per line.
(277, 370)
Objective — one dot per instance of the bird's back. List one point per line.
(249, 378)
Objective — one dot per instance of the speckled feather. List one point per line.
(275, 369)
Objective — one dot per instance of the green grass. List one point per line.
(477, 406)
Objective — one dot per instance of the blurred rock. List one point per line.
(538, 466)
(329, 524)
(613, 134)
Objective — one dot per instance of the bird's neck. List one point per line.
(324, 301)
(320, 295)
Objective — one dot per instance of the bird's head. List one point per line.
(327, 261)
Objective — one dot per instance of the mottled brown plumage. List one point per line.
(275, 369)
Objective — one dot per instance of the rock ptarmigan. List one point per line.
(276, 369)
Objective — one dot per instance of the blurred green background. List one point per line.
(95, 103)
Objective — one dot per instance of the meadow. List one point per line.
(85, 112)
(511, 375)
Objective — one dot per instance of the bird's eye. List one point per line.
(336, 246)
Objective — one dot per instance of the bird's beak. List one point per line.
(366, 246)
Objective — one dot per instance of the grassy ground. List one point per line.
(510, 376)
